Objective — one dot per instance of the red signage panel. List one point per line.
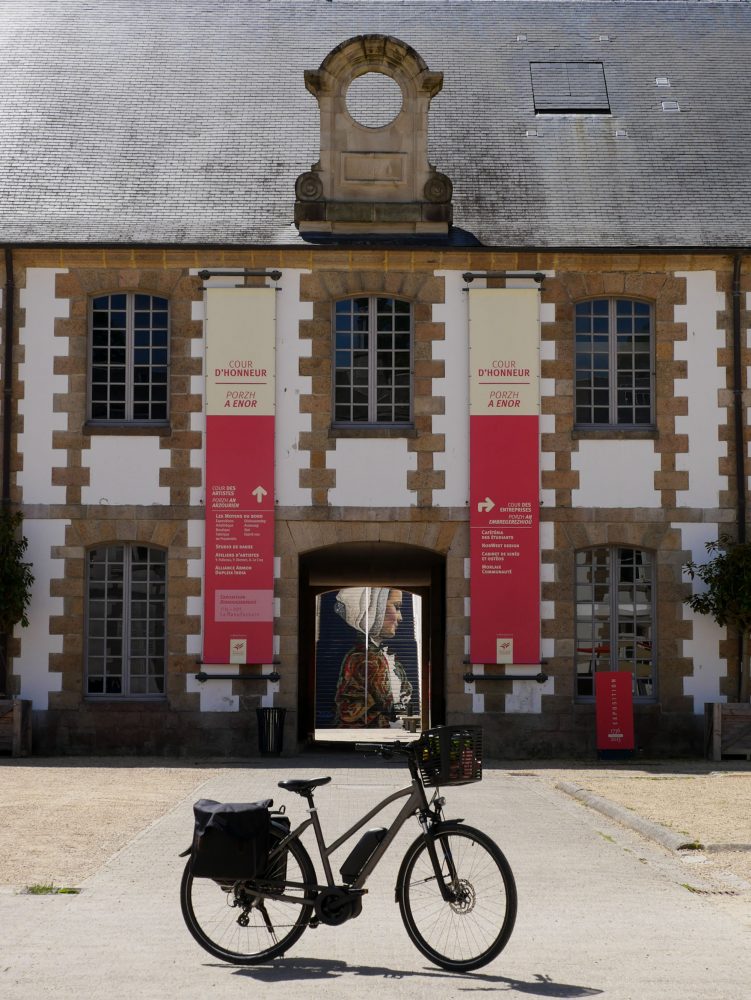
(504, 541)
(614, 710)
(504, 486)
(239, 564)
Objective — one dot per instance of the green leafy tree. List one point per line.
(727, 597)
(15, 582)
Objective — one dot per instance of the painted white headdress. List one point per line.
(364, 608)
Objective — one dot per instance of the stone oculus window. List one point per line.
(373, 175)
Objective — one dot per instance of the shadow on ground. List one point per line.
(285, 970)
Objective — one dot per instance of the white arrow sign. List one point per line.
(259, 493)
(485, 505)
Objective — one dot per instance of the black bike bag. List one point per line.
(230, 839)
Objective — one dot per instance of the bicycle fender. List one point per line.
(447, 824)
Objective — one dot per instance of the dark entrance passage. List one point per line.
(372, 641)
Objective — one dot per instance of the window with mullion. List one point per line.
(372, 361)
(129, 358)
(615, 617)
(614, 363)
(125, 621)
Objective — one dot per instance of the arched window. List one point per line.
(129, 358)
(614, 363)
(372, 361)
(126, 607)
(615, 617)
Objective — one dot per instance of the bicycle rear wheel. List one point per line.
(472, 928)
(236, 923)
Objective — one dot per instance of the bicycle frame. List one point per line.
(417, 802)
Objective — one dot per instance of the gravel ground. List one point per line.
(62, 819)
(709, 802)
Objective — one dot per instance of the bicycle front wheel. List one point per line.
(470, 928)
(244, 922)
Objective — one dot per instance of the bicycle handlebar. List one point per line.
(385, 750)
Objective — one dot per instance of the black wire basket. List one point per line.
(450, 755)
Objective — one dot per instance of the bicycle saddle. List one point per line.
(302, 785)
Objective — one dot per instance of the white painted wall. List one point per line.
(290, 386)
(525, 697)
(32, 666)
(454, 387)
(616, 474)
(124, 469)
(371, 472)
(702, 385)
(704, 649)
(40, 384)
(547, 390)
(198, 382)
(198, 419)
(215, 696)
(194, 603)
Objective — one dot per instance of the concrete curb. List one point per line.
(653, 831)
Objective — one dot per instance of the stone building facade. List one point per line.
(383, 502)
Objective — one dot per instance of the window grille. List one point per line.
(614, 363)
(129, 357)
(615, 617)
(126, 621)
(372, 361)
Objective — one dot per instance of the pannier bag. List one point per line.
(230, 839)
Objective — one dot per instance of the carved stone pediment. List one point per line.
(373, 175)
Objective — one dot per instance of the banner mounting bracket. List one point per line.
(538, 276)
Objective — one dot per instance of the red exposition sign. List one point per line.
(614, 710)
(504, 483)
(240, 392)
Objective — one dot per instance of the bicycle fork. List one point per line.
(443, 865)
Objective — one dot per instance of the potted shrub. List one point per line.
(727, 598)
(15, 595)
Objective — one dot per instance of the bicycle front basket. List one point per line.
(450, 755)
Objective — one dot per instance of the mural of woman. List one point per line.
(373, 686)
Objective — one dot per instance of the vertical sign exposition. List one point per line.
(504, 487)
(614, 712)
(239, 574)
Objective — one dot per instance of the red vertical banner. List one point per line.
(614, 710)
(240, 399)
(504, 480)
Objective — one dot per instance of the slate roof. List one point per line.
(177, 121)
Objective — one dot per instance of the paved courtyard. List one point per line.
(603, 911)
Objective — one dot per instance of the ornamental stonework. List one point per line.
(373, 175)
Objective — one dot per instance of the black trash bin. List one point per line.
(270, 731)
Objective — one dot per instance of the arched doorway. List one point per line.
(357, 599)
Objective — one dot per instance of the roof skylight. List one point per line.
(569, 87)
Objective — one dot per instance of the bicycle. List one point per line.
(455, 889)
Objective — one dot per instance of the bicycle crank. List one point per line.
(335, 905)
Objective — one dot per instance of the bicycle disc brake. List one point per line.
(464, 897)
